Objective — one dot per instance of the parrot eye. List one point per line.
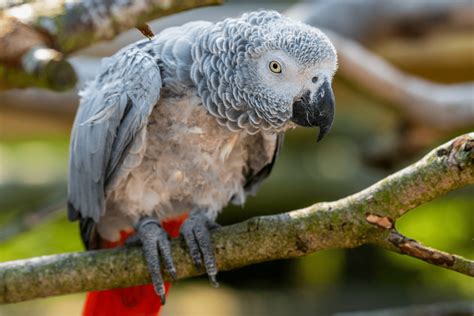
(275, 67)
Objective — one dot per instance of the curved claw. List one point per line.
(213, 281)
(155, 243)
(196, 233)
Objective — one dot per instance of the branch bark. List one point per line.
(367, 217)
(64, 27)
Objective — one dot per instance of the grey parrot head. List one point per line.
(264, 71)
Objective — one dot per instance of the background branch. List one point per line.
(367, 217)
(419, 100)
(65, 27)
(369, 20)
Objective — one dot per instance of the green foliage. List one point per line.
(55, 236)
(446, 224)
(321, 270)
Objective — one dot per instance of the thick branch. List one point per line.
(67, 26)
(78, 24)
(366, 217)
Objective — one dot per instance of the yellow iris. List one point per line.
(275, 67)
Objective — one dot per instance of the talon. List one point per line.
(173, 275)
(188, 235)
(213, 281)
(196, 233)
(156, 245)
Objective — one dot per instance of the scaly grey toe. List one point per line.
(196, 233)
(155, 243)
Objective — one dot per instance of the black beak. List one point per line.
(316, 110)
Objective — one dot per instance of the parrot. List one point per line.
(176, 127)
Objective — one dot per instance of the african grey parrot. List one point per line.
(189, 121)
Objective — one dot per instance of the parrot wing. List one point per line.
(256, 178)
(110, 128)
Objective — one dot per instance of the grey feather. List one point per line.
(255, 178)
(225, 53)
(114, 109)
(185, 120)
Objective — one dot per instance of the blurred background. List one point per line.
(375, 134)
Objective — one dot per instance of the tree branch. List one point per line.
(64, 27)
(367, 217)
(419, 100)
(398, 243)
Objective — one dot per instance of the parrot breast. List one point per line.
(189, 161)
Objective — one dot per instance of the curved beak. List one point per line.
(316, 110)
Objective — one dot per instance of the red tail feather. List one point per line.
(133, 301)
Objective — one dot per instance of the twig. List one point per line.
(363, 218)
(398, 243)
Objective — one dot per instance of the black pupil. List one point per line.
(315, 79)
(275, 66)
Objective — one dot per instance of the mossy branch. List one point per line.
(367, 217)
(63, 27)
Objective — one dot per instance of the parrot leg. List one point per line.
(196, 232)
(156, 244)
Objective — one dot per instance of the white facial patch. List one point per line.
(289, 81)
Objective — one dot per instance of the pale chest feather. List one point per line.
(188, 161)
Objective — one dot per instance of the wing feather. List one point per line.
(256, 177)
(113, 113)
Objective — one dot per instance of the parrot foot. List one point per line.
(196, 232)
(156, 244)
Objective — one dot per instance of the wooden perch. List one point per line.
(35, 37)
(367, 217)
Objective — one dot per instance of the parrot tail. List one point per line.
(136, 300)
